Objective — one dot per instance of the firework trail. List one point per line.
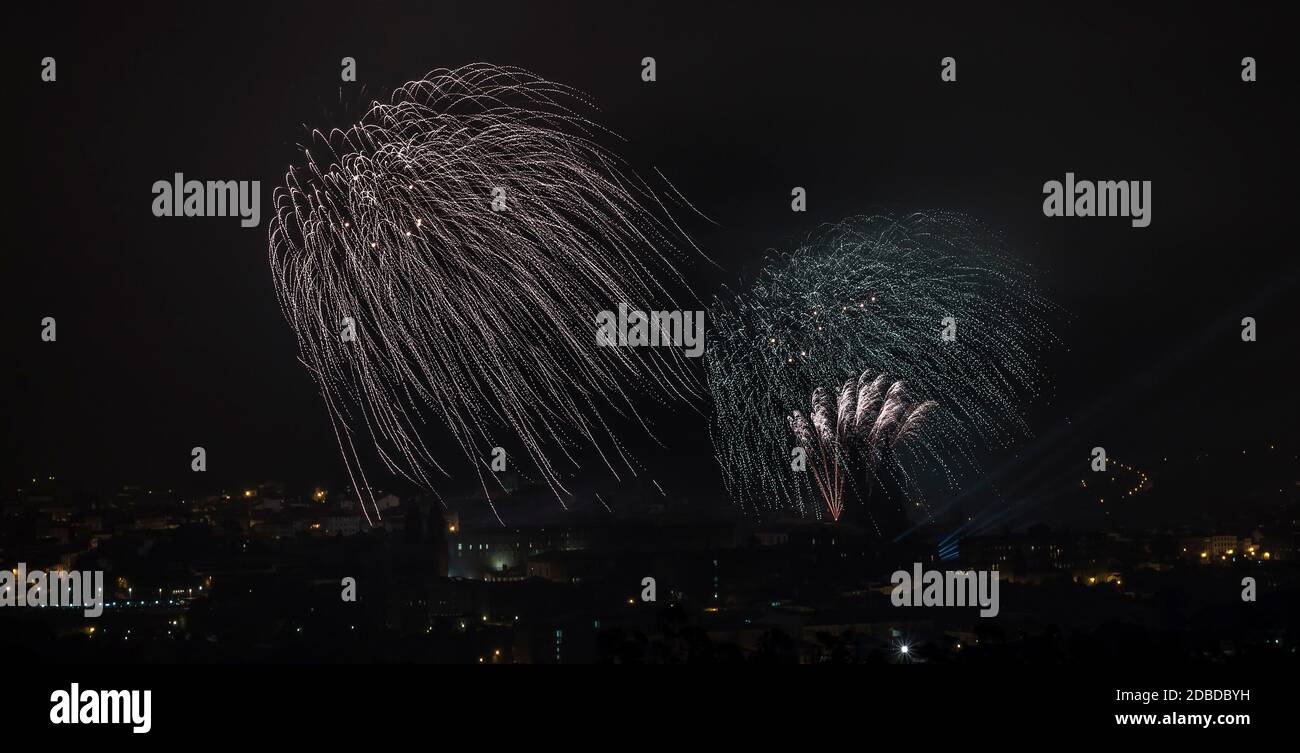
(874, 293)
(471, 229)
(825, 449)
(865, 428)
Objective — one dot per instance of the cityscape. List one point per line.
(258, 573)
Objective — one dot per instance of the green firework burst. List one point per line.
(876, 294)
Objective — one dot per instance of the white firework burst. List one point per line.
(471, 229)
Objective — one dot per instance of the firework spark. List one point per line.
(470, 230)
(865, 430)
(875, 292)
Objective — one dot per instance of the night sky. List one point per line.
(169, 334)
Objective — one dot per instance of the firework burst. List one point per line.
(874, 293)
(470, 230)
(869, 421)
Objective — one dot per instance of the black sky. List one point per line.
(169, 335)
